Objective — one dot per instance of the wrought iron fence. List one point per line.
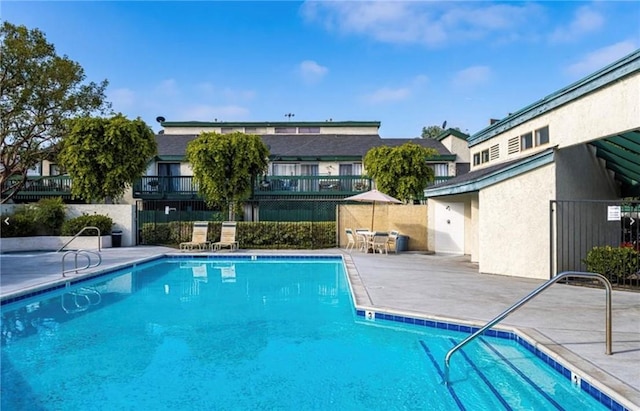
(268, 223)
(597, 236)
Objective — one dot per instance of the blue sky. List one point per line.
(405, 64)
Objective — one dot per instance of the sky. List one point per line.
(405, 64)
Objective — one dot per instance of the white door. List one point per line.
(449, 228)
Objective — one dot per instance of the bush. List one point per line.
(50, 215)
(265, 235)
(615, 263)
(22, 223)
(74, 225)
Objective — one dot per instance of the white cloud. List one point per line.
(471, 77)
(423, 22)
(236, 95)
(122, 98)
(386, 95)
(600, 58)
(586, 20)
(168, 87)
(395, 94)
(311, 71)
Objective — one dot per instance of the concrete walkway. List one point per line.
(567, 320)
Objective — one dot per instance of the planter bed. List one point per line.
(52, 243)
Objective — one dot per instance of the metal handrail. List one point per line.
(80, 232)
(85, 253)
(526, 299)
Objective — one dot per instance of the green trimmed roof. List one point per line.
(607, 75)
(270, 124)
(452, 132)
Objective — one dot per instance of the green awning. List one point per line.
(621, 154)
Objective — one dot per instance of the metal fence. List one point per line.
(275, 220)
(592, 235)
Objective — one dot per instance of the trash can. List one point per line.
(402, 243)
(116, 238)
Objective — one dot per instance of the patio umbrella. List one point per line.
(373, 196)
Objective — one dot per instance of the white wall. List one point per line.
(123, 216)
(599, 114)
(513, 231)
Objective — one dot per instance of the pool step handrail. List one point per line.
(523, 301)
(83, 293)
(85, 253)
(89, 227)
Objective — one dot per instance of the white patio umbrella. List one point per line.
(373, 196)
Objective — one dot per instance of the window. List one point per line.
(308, 130)
(542, 136)
(494, 152)
(227, 130)
(285, 130)
(54, 170)
(526, 141)
(484, 156)
(476, 159)
(35, 170)
(440, 170)
(513, 145)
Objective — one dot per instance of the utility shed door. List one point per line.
(449, 228)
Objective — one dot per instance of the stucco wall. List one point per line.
(599, 114)
(513, 230)
(580, 176)
(123, 216)
(410, 220)
(271, 130)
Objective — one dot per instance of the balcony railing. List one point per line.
(41, 187)
(155, 187)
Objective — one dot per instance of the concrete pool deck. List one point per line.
(568, 321)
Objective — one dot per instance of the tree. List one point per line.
(38, 90)
(431, 131)
(104, 155)
(401, 172)
(225, 166)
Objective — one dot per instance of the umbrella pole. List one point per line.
(373, 213)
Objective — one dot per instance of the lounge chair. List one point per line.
(198, 238)
(227, 237)
(379, 242)
(351, 240)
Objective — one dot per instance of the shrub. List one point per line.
(156, 234)
(615, 263)
(22, 223)
(74, 225)
(50, 215)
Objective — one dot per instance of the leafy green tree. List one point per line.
(225, 166)
(431, 131)
(105, 155)
(401, 172)
(38, 91)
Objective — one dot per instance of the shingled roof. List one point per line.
(308, 145)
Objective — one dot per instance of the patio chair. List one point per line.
(227, 237)
(379, 242)
(198, 237)
(393, 240)
(361, 238)
(351, 240)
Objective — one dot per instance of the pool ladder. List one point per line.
(85, 253)
(529, 297)
(80, 300)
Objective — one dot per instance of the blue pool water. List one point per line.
(205, 334)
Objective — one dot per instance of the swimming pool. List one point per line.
(251, 333)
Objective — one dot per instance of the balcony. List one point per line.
(328, 186)
(162, 187)
(38, 187)
(183, 187)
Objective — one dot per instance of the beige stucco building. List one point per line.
(579, 143)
